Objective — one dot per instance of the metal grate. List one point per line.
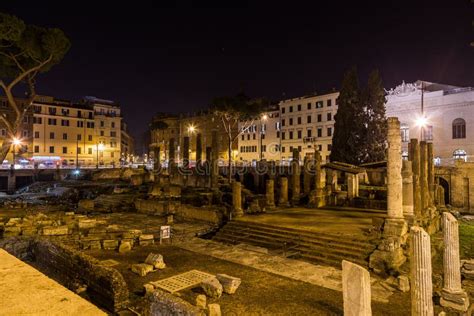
(182, 281)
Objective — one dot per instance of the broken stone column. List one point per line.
(431, 173)
(425, 193)
(198, 149)
(171, 158)
(295, 177)
(352, 185)
(407, 176)
(416, 169)
(394, 170)
(186, 152)
(319, 181)
(283, 200)
(270, 194)
(307, 166)
(452, 294)
(356, 290)
(421, 283)
(237, 199)
(214, 159)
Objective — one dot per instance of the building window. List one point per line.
(112, 124)
(291, 149)
(64, 122)
(37, 120)
(291, 135)
(299, 148)
(299, 134)
(309, 106)
(299, 107)
(308, 132)
(52, 111)
(329, 131)
(460, 154)
(51, 149)
(291, 121)
(64, 150)
(320, 147)
(3, 132)
(308, 119)
(459, 128)
(37, 134)
(319, 104)
(79, 114)
(25, 133)
(283, 122)
(79, 150)
(112, 154)
(248, 136)
(89, 150)
(278, 134)
(37, 149)
(65, 136)
(37, 109)
(405, 132)
(428, 132)
(51, 121)
(282, 135)
(291, 109)
(80, 124)
(90, 138)
(320, 132)
(299, 120)
(253, 136)
(102, 124)
(320, 117)
(90, 124)
(243, 136)
(283, 110)
(329, 102)
(113, 134)
(283, 149)
(437, 161)
(101, 133)
(329, 147)
(79, 136)
(51, 135)
(65, 112)
(329, 116)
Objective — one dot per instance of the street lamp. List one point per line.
(15, 143)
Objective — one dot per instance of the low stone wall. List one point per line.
(106, 287)
(163, 303)
(156, 206)
(205, 214)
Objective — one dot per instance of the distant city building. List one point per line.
(127, 147)
(447, 118)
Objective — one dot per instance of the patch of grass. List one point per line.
(466, 240)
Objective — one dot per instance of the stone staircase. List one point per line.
(314, 247)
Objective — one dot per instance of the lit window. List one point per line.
(459, 128)
(405, 132)
(460, 154)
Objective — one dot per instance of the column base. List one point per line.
(283, 203)
(237, 212)
(457, 300)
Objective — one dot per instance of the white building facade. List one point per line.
(437, 113)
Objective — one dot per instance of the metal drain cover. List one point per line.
(182, 281)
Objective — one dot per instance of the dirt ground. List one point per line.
(260, 293)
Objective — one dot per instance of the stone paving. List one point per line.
(327, 277)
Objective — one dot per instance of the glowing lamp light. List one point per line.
(421, 121)
(101, 146)
(76, 172)
(264, 117)
(191, 128)
(16, 141)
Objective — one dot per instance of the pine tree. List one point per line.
(374, 103)
(349, 128)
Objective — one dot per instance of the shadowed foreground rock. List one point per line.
(163, 303)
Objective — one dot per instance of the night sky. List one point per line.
(177, 58)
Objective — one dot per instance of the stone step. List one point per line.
(296, 246)
(350, 241)
(303, 240)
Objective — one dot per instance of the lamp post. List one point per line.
(264, 119)
(191, 130)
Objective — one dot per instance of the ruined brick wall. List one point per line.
(105, 286)
(206, 214)
(163, 303)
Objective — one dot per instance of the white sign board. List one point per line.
(165, 232)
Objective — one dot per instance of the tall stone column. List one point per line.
(421, 283)
(307, 166)
(356, 291)
(283, 200)
(394, 170)
(352, 185)
(295, 178)
(407, 176)
(214, 159)
(425, 194)
(171, 158)
(431, 174)
(416, 168)
(319, 181)
(198, 149)
(270, 193)
(452, 294)
(389, 253)
(186, 152)
(156, 154)
(237, 199)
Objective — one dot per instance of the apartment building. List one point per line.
(127, 146)
(261, 140)
(307, 123)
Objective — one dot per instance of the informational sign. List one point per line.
(165, 232)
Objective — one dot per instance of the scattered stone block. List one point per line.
(95, 245)
(109, 263)
(10, 231)
(13, 221)
(403, 283)
(29, 231)
(169, 219)
(356, 290)
(55, 230)
(229, 284)
(142, 269)
(131, 234)
(214, 310)
(110, 244)
(136, 179)
(149, 288)
(86, 223)
(69, 213)
(201, 301)
(146, 240)
(156, 260)
(86, 205)
(125, 246)
(212, 287)
(45, 222)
